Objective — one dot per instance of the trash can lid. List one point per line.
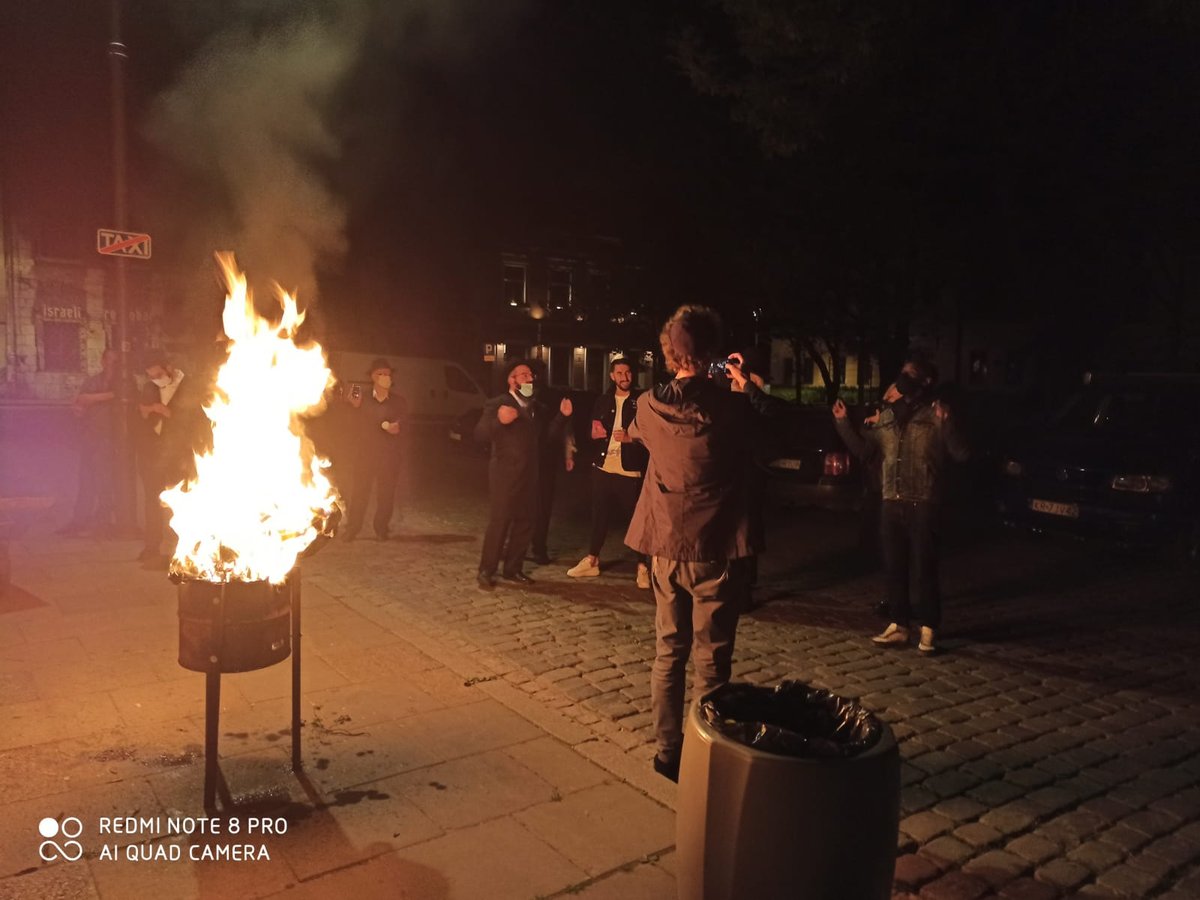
(791, 719)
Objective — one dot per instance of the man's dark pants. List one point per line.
(540, 526)
(908, 533)
(612, 495)
(381, 471)
(94, 502)
(515, 524)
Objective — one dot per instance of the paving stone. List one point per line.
(955, 886)
(1028, 889)
(1063, 874)
(924, 826)
(947, 852)
(978, 835)
(1127, 881)
(1034, 848)
(1096, 855)
(997, 867)
(913, 870)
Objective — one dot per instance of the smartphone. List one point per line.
(356, 392)
(717, 368)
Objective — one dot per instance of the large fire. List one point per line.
(261, 495)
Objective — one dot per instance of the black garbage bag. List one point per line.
(791, 719)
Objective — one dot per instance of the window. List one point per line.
(62, 349)
(789, 370)
(560, 365)
(514, 285)
(559, 295)
(459, 381)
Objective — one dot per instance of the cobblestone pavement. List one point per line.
(1052, 750)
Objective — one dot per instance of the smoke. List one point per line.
(247, 118)
(258, 118)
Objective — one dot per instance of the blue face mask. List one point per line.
(526, 389)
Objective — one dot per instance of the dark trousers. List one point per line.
(94, 501)
(508, 534)
(869, 529)
(908, 533)
(381, 473)
(154, 514)
(545, 505)
(613, 499)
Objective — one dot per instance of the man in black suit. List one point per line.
(515, 424)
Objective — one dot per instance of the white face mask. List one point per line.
(160, 382)
(526, 389)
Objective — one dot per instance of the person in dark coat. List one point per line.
(555, 457)
(97, 408)
(376, 427)
(515, 424)
(693, 521)
(173, 429)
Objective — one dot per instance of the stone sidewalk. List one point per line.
(424, 777)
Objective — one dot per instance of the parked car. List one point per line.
(436, 390)
(807, 464)
(1121, 460)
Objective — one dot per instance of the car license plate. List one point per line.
(785, 464)
(1070, 510)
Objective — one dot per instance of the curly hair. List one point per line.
(690, 338)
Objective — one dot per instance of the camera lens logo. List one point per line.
(70, 850)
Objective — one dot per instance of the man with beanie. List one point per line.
(692, 519)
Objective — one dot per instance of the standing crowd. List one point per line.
(677, 463)
(676, 466)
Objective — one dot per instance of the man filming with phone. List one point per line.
(692, 519)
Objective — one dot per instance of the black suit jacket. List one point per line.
(516, 451)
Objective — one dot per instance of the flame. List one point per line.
(261, 495)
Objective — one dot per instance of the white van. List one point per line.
(436, 390)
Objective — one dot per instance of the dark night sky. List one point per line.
(564, 116)
(1050, 174)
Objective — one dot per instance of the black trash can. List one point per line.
(786, 792)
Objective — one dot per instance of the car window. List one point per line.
(460, 381)
(1123, 409)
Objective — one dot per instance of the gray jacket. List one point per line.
(913, 452)
(694, 501)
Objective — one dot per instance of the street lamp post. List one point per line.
(117, 55)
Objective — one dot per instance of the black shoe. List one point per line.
(517, 577)
(667, 768)
(485, 581)
(542, 559)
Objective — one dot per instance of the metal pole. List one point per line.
(117, 55)
(295, 582)
(212, 704)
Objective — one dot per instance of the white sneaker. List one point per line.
(927, 644)
(643, 577)
(585, 568)
(893, 636)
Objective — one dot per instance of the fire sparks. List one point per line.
(261, 495)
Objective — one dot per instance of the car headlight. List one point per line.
(1141, 484)
(1012, 467)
